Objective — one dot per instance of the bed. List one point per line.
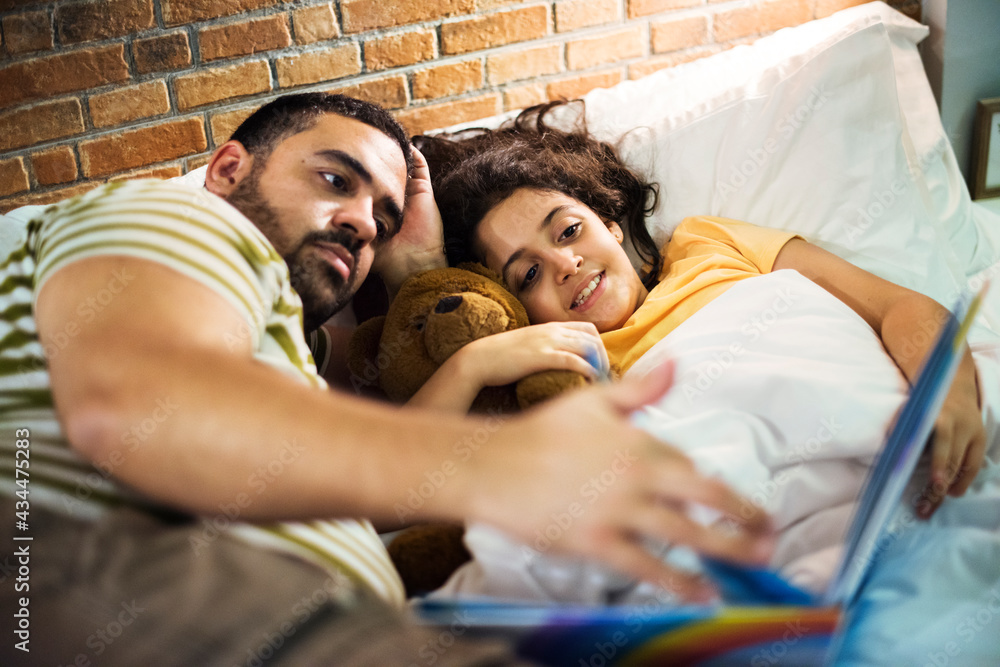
(828, 129)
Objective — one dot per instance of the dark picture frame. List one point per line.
(986, 150)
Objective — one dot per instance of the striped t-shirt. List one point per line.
(201, 236)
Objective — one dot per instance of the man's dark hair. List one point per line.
(474, 170)
(290, 114)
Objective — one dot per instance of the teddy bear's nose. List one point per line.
(448, 304)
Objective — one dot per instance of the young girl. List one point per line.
(545, 208)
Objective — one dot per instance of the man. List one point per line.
(180, 444)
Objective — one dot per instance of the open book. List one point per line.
(764, 615)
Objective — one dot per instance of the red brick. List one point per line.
(488, 5)
(826, 7)
(316, 66)
(760, 18)
(42, 78)
(24, 33)
(647, 67)
(607, 48)
(164, 172)
(434, 116)
(483, 32)
(524, 64)
(223, 124)
(576, 14)
(193, 163)
(445, 80)
(124, 105)
(102, 19)
(49, 197)
(315, 24)
(677, 34)
(362, 15)
(388, 92)
(54, 166)
(637, 8)
(178, 12)
(521, 97)
(39, 123)
(162, 53)
(13, 176)
(17, 4)
(240, 39)
(399, 50)
(119, 151)
(222, 83)
(578, 86)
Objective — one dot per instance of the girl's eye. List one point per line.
(570, 231)
(529, 276)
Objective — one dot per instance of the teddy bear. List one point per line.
(435, 313)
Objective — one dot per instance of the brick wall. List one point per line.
(96, 90)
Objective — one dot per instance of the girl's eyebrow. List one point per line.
(546, 221)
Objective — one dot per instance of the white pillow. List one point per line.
(801, 131)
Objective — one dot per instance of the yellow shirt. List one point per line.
(705, 256)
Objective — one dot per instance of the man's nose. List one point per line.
(357, 216)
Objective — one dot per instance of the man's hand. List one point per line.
(419, 244)
(578, 473)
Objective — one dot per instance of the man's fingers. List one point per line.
(675, 482)
(670, 524)
(631, 558)
(633, 393)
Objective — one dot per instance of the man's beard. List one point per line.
(322, 288)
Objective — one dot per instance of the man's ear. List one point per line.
(229, 164)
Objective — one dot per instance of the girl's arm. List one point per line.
(897, 314)
(507, 357)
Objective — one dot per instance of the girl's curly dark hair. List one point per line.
(474, 170)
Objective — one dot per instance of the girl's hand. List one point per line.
(509, 356)
(959, 441)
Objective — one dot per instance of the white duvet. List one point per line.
(785, 393)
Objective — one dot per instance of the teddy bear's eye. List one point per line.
(419, 323)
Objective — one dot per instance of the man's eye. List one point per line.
(383, 232)
(336, 180)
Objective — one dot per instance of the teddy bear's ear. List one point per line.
(362, 350)
(476, 267)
